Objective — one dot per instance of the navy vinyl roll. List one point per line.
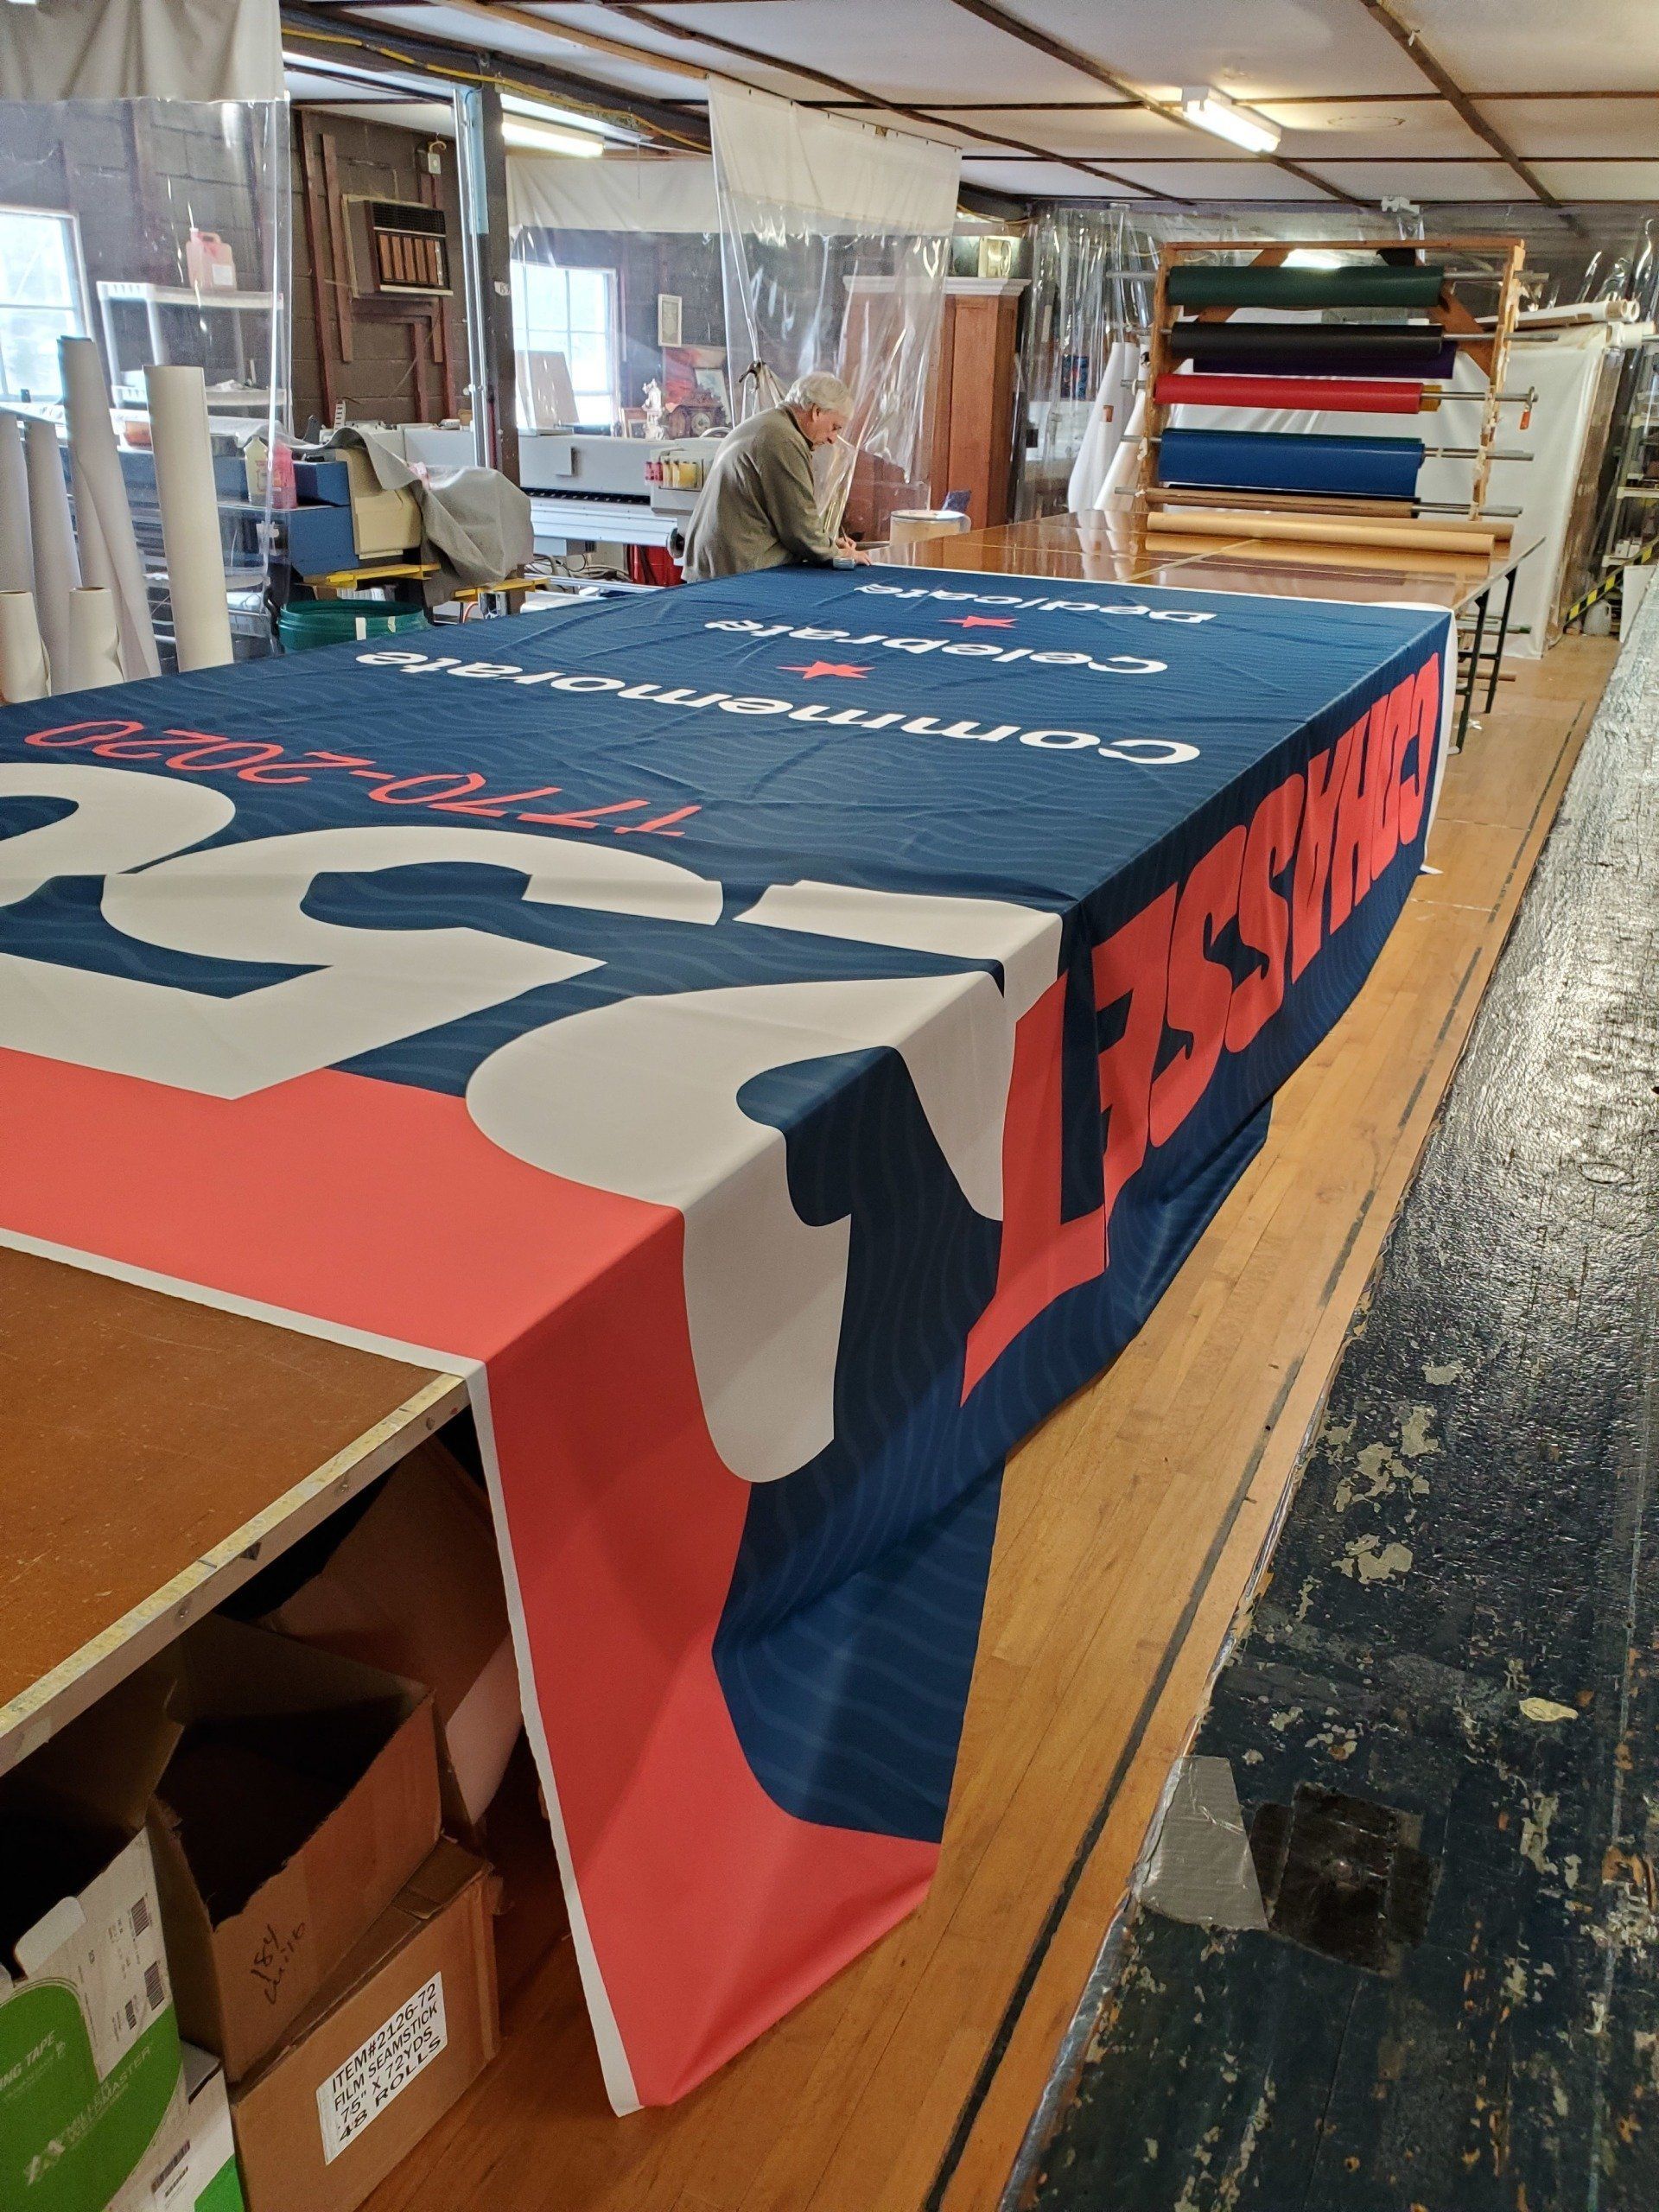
(1272, 460)
(1344, 349)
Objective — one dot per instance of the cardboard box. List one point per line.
(401, 2027)
(300, 1795)
(211, 2180)
(416, 1588)
(384, 522)
(92, 2091)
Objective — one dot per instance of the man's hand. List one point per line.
(846, 550)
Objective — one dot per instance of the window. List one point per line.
(573, 312)
(39, 299)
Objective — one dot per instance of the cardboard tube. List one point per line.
(184, 477)
(23, 672)
(94, 652)
(16, 554)
(1411, 537)
(108, 548)
(52, 536)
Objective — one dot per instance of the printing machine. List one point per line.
(585, 488)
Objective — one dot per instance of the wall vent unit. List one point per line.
(397, 249)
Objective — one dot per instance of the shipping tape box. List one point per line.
(406, 2023)
(92, 2115)
(299, 1796)
(415, 1588)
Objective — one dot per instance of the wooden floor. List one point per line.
(1130, 1522)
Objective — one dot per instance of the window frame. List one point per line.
(528, 342)
(82, 303)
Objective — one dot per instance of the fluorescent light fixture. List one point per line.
(1308, 256)
(547, 138)
(535, 130)
(1213, 112)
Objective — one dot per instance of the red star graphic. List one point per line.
(809, 669)
(981, 621)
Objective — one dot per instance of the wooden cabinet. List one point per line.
(976, 388)
(968, 442)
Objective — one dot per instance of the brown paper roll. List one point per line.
(1406, 537)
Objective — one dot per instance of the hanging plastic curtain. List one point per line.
(836, 242)
(1080, 357)
(145, 204)
(618, 316)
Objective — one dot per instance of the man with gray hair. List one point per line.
(758, 508)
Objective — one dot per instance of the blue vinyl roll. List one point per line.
(1272, 460)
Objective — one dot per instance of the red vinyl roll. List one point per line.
(1336, 394)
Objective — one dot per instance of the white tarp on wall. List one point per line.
(142, 49)
(555, 192)
(850, 177)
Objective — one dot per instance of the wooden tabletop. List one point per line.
(1119, 549)
(154, 1454)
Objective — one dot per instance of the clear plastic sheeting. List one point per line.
(1090, 297)
(618, 315)
(159, 230)
(835, 243)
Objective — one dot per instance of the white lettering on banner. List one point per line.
(1147, 751)
(639, 1097)
(119, 821)
(1040, 606)
(763, 1290)
(1119, 664)
(381, 2068)
(366, 987)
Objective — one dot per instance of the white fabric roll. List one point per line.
(52, 536)
(109, 551)
(1109, 420)
(184, 478)
(16, 555)
(1117, 485)
(24, 672)
(94, 656)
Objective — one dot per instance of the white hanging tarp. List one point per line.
(566, 191)
(142, 49)
(849, 176)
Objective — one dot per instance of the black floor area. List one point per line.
(1397, 1946)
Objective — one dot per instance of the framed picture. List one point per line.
(694, 376)
(669, 320)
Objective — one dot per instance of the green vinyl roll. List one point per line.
(1363, 284)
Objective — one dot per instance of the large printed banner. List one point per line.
(777, 1037)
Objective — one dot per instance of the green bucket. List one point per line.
(308, 622)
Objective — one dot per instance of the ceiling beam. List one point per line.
(335, 26)
(503, 11)
(339, 31)
(1257, 100)
(999, 19)
(1410, 42)
(857, 93)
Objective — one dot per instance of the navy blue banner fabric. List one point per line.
(884, 975)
